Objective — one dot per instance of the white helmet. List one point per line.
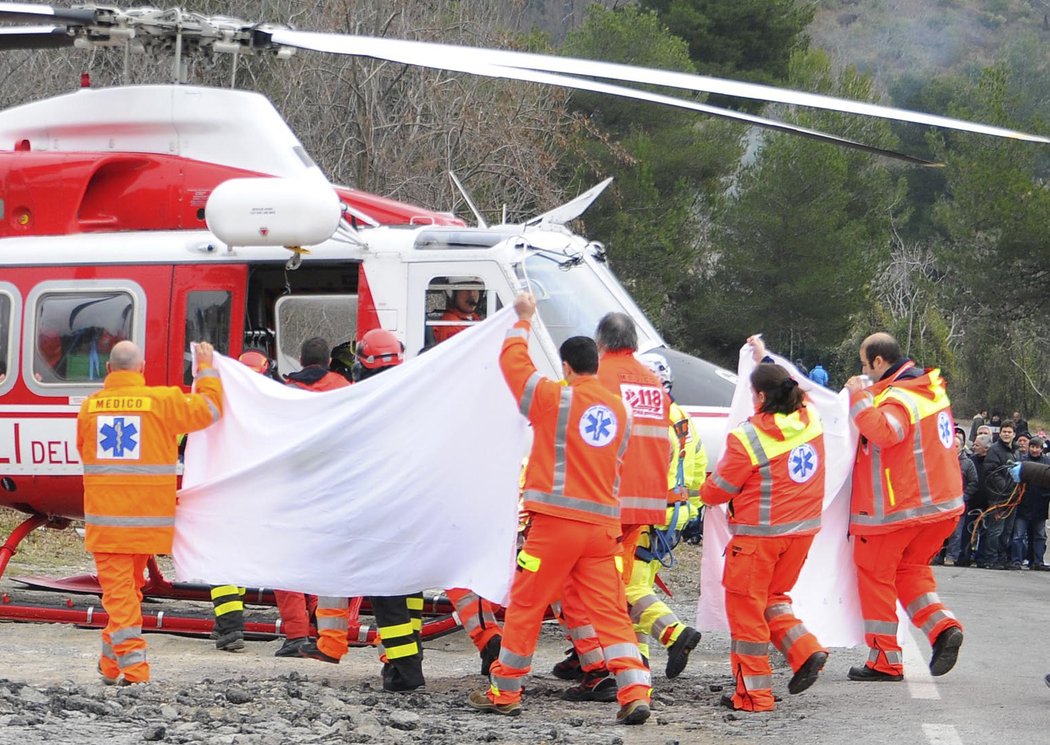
(659, 367)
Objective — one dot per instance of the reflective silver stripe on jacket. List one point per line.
(924, 600)
(737, 646)
(649, 430)
(765, 472)
(208, 372)
(154, 469)
(758, 682)
(925, 497)
(929, 509)
(122, 635)
(895, 425)
(215, 414)
(724, 485)
(795, 527)
(889, 628)
(526, 395)
(620, 452)
(864, 403)
(627, 650)
(114, 521)
(573, 503)
(517, 661)
(644, 503)
(564, 404)
(935, 618)
(516, 333)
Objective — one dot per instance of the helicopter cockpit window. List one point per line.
(75, 332)
(207, 319)
(453, 304)
(571, 298)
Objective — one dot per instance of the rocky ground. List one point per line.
(50, 692)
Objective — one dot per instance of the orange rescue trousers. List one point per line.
(558, 552)
(759, 573)
(896, 566)
(121, 577)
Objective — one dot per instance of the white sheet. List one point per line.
(825, 597)
(406, 481)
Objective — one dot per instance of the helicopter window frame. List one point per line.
(200, 312)
(56, 288)
(288, 359)
(436, 295)
(11, 315)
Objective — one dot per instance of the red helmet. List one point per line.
(255, 360)
(380, 348)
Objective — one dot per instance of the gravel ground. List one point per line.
(50, 692)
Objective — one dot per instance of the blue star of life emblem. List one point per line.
(802, 463)
(118, 437)
(945, 431)
(598, 426)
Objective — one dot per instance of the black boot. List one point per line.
(678, 653)
(569, 668)
(869, 674)
(490, 654)
(945, 650)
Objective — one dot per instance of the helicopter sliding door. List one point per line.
(207, 304)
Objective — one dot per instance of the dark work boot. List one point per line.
(597, 685)
(490, 654)
(569, 668)
(405, 674)
(945, 650)
(807, 674)
(230, 642)
(869, 674)
(678, 653)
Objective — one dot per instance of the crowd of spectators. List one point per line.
(1004, 525)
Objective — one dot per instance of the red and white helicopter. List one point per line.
(165, 214)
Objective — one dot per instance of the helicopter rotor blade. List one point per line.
(27, 12)
(414, 56)
(445, 56)
(34, 37)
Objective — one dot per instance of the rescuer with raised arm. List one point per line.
(772, 476)
(580, 431)
(907, 498)
(127, 437)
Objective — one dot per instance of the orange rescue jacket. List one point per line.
(579, 435)
(643, 485)
(772, 470)
(127, 437)
(906, 469)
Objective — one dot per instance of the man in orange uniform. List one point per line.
(579, 433)
(772, 474)
(643, 488)
(907, 498)
(478, 617)
(127, 437)
(463, 307)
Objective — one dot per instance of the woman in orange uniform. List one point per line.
(772, 475)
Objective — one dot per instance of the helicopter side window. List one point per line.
(207, 319)
(299, 317)
(452, 305)
(75, 332)
(7, 326)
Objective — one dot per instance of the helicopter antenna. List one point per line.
(470, 202)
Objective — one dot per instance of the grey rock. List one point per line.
(238, 695)
(153, 733)
(368, 727)
(404, 720)
(169, 712)
(32, 695)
